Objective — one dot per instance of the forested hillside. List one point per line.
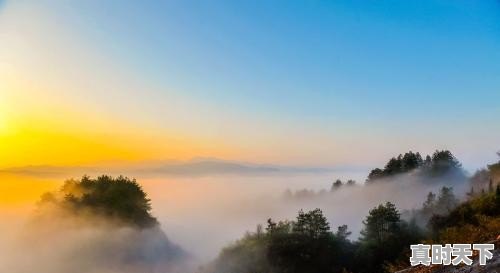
(310, 244)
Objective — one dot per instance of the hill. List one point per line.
(98, 224)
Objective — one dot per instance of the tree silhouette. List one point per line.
(118, 198)
(336, 185)
(381, 223)
(312, 223)
(384, 237)
(441, 163)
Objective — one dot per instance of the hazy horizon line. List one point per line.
(196, 166)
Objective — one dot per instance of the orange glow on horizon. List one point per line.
(49, 133)
(17, 191)
(42, 142)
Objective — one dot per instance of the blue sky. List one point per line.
(368, 76)
(322, 57)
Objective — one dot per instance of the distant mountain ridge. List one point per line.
(193, 167)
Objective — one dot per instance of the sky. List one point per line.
(302, 83)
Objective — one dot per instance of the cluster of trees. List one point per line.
(442, 166)
(120, 199)
(476, 220)
(338, 184)
(400, 164)
(441, 163)
(307, 193)
(494, 170)
(302, 194)
(436, 204)
(480, 181)
(307, 244)
(485, 179)
(105, 223)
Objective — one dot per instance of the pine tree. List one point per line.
(312, 224)
(336, 185)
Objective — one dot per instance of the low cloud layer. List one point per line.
(72, 246)
(69, 233)
(202, 214)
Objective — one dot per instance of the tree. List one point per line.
(336, 185)
(312, 224)
(444, 162)
(480, 179)
(350, 182)
(383, 238)
(375, 174)
(342, 232)
(394, 166)
(309, 246)
(381, 222)
(101, 216)
(446, 201)
(429, 203)
(428, 160)
(118, 198)
(436, 206)
(282, 227)
(411, 161)
(476, 220)
(494, 170)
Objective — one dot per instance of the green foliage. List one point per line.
(304, 245)
(476, 220)
(308, 245)
(411, 161)
(485, 229)
(381, 223)
(118, 198)
(244, 256)
(400, 164)
(312, 224)
(350, 182)
(339, 184)
(442, 163)
(342, 232)
(480, 180)
(430, 203)
(436, 206)
(494, 170)
(384, 237)
(376, 174)
(446, 201)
